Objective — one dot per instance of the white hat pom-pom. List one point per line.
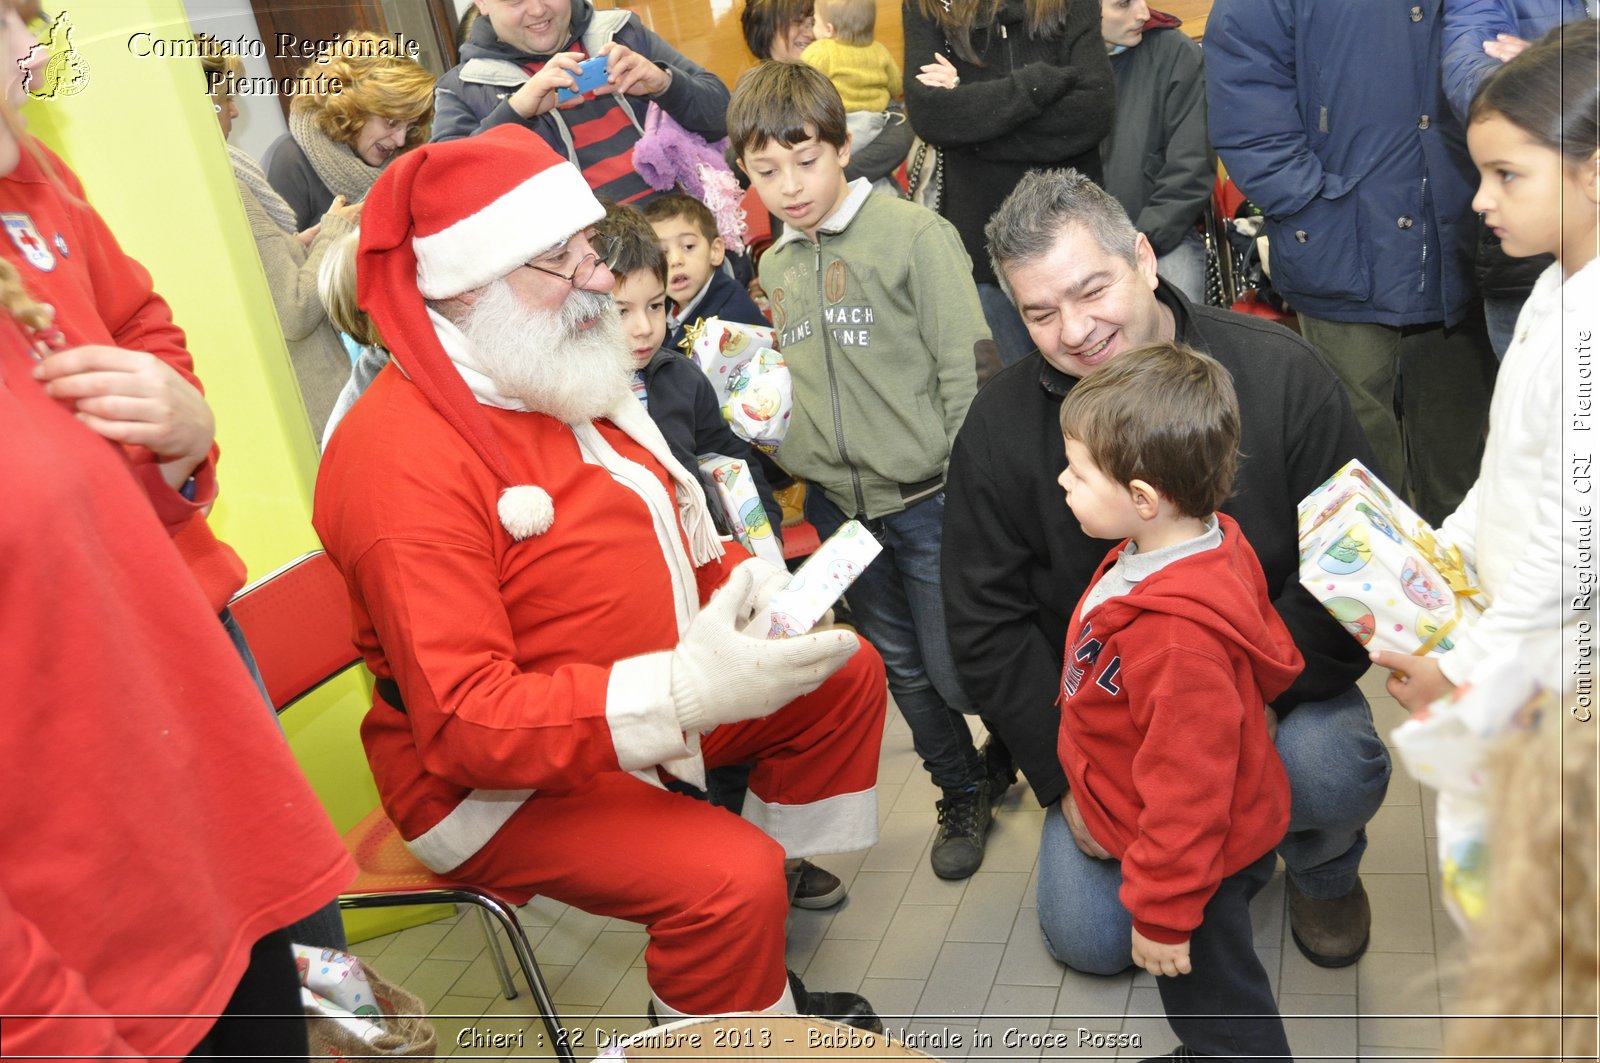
(526, 510)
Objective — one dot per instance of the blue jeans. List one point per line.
(1011, 336)
(1338, 773)
(896, 603)
(1500, 315)
(1184, 267)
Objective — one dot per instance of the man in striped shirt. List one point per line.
(522, 52)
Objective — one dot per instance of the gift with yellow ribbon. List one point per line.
(1379, 569)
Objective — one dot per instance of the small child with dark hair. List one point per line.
(676, 394)
(696, 283)
(1174, 652)
(861, 68)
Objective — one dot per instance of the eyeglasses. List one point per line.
(601, 250)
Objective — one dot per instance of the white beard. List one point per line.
(543, 359)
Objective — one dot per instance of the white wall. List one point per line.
(260, 120)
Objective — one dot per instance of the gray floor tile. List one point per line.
(594, 977)
(1300, 975)
(874, 898)
(911, 942)
(452, 1014)
(902, 841)
(839, 965)
(1398, 997)
(1090, 1000)
(565, 943)
(463, 941)
(1394, 841)
(806, 931)
(895, 1001)
(541, 911)
(1320, 1027)
(1016, 1024)
(961, 979)
(1026, 961)
(928, 888)
(989, 907)
(1014, 841)
(1146, 1021)
(1402, 912)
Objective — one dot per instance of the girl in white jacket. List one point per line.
(1527, 525)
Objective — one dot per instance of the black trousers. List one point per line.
(264, 1019)
(1224, 1006)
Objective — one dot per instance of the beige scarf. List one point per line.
(337, 165)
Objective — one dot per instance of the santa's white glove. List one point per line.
(720, 675)
(768, 579)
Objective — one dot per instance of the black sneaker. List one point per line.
(814, 888)
(999, 770)
(851, 1009)
(964, 818)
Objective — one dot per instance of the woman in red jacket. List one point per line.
(141, 772)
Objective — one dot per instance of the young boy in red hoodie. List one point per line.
(1175, 651)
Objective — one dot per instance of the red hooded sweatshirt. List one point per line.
(1163, 729)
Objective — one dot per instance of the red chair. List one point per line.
(297, 621)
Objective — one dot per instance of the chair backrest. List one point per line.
(297, 621)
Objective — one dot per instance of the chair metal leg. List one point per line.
(530, 971)
(507, 918)
(497, 954)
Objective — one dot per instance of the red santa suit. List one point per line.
(69, 259)
(524, 708)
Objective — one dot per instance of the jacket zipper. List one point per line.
(833, 387)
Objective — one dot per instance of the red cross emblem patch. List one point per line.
(21, 229)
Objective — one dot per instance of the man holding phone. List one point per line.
(522, 53)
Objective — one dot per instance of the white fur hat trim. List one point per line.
(526, 510)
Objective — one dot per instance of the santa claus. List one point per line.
(553, 623)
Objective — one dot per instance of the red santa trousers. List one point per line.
(708, 885)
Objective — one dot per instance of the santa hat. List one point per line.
(450, 218)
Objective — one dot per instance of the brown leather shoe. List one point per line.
(1330, 933)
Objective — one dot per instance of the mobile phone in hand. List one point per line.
(590, 76)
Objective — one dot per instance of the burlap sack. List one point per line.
(406, 1029)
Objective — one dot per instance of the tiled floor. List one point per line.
(959, 968)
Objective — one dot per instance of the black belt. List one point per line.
(389, 691)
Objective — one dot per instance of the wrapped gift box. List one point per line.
(1379, 569)
(750, 378)
(818, 583)
(730, 482)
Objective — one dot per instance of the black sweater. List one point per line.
(1016, 562)
(683, 404)
(1034, 103)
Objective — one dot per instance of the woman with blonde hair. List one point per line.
(339, 142)
(289, 255)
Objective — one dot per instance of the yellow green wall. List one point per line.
(143, 137)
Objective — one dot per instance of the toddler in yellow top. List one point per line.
(863, 71)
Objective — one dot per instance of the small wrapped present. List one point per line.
(730, 483)
(818, 583)
(749, 376)
(1379, 569)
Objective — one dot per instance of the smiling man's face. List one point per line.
(1083, 305)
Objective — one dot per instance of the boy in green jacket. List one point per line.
(878, 319)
